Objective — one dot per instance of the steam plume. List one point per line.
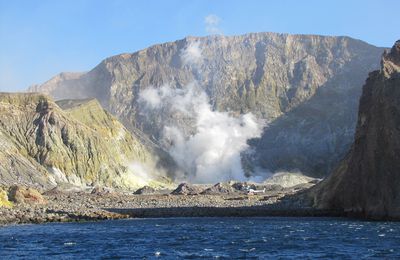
(212, 152)
(205, 143)
(191, 55)
(212, 24)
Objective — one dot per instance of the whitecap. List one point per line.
(247, 250)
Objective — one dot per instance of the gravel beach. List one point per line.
(93, 206)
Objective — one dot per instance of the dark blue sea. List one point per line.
(204, 238)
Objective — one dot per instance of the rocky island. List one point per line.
(73, 160)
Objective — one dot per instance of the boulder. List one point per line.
(4, 202)
(186, 189)
(145, 190)
(100, 190)
(219, 188)
(19, 194)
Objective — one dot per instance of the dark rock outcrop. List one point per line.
(367, 182)
(145, 190)
(243, 186)
(186, 189)
(218, 189)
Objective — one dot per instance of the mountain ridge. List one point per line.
(268, 74)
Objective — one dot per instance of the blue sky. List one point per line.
(39, 39)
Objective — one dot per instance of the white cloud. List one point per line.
(212, 22)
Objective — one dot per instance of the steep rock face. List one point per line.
(43, 145)
(367, 182)
(281, 78)
(56, 82)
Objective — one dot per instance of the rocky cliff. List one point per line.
(77, 142)
(306, 87)
(367, 182)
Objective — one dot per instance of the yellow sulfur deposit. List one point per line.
(4, 202)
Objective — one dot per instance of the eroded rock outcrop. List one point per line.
(186, 189)
(145, 190)
(43, 145)
(4, 201)
(367, 182)
(218, 189)
(19, 194)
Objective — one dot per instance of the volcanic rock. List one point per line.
(19, 194)
(306, 87)
(100, 190)
(219, 188)
(186, 189)
(367, 182)
(4, 202)
(145, 190)
(45, 144)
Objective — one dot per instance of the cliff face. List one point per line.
(367, 182)
(305, 86)
(44, 145)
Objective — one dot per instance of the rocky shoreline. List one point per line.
(57, 206)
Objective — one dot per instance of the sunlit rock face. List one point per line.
(367, 182)
(305, 88)
(44, 144)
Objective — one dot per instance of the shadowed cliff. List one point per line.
(367, 182)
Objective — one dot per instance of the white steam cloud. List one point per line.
(212, 24)
(212, 152)
(191, 55)
(206, 144)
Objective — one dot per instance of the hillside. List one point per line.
(44, 145)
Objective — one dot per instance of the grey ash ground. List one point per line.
(100, 205)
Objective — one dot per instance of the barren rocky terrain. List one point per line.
(28, 206)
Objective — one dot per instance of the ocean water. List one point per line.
(204, 238)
